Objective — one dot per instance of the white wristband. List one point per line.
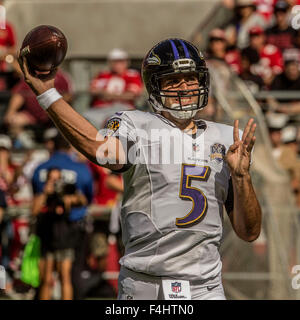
(47, 98)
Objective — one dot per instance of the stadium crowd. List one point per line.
(55, 203)
(260, 43)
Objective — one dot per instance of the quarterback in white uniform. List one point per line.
(178, 172)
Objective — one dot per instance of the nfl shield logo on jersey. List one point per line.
(176, 287)
(196, 147)
(217, 152)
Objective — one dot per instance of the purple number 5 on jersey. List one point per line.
(188, 173)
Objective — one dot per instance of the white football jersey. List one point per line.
(172, 210)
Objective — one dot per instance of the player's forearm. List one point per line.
(246, 216)
(77, 130)
(85, 137)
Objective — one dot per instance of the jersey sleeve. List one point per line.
(122, 127)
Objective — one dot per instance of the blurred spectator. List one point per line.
(228, 4)
(276, 122)
(17, 196)
(294, 52)
(38, 156)
(292, 108)
(265, 8)
(283, 140)
(292, 161)
(7, 44)
(92, 282)
(3, 206)
(55, 203)
(246, 17)
(118, 84)
(288, 80)
(290, 138)
(12, 180)
(115, 89)
(6, 178)
(107, 186)
(72, 172)
(253, 81)
(281, 34)
(270, 61)
(8, 73)
(49, 139)
(6, 167)
(291, 11)
(285, 147)
(217, 49)
(24, 110)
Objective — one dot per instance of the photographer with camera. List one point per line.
(55, 231)
(63, 189)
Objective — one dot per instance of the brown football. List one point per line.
(45, 48)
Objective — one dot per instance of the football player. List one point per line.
(172, 211)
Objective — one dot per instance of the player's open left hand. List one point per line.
(37, 84)
(238, 155)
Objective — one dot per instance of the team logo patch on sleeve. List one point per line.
(217, 152)
(112, 126)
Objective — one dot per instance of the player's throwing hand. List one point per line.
(38, 85)
(239, 153)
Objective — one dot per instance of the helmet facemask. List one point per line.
(180, 109)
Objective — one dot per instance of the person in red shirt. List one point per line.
(118, 84)
(114, 90)
(107, 185)
(270, 61)
(7, 40)
(281, 34)
(23, 108)
(218, 50)
(7, 44)
(265, 8)
(31, 112)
